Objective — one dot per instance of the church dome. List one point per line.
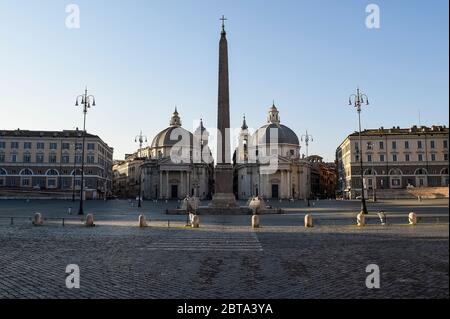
(285, 134)
(171, 135)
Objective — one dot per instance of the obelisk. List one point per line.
(223, 176)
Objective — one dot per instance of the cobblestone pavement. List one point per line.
(118, 260)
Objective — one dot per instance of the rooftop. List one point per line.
(396, 130)
(47, 134)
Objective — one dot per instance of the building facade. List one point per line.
(126, 176)
(323, 177)
(393, 158)
(267, 163)
(176, 164)
(51, 160)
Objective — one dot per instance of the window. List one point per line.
(14, 144)
(396, 182)
(357, 146)
(27, 145)
(3, 144)
(52, 158)
(51, 183)
(381, 158)
(407, 157)
(406, 144)
(39, 158)
(394, 145)
(65, 159)
(419, 144)
(78, 159)
(40, 145)
(432, 144)
(27, 158)
(91, 146)
(445, 142)
(2, 158)
(53, 146)
(394, 157)
(90, 159)
(433, 157)
(369, 157)
(356, 158)
(13, 158)
(25, 182)
(420, 157)
(65, 146)
(369, 146)
(79, 146)
(67, 183)
(445, 157)
(381, 145)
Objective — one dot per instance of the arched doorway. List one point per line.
(3, 174)
(52, 178)
(421, 177)
(26, 177)
(395, 178)
(444, 177)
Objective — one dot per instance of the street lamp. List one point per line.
(86, 101)
(356, 100)
(307, 138)
(140, 139)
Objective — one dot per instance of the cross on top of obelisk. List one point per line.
(223, 19)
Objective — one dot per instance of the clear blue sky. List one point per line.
(140, 58)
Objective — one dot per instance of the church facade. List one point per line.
(176, 164)
(267, 163)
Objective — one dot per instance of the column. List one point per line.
(181, 184)
(160, 186)
(188, 181)
(262, 185)
(167, 185)
(282, 184)
(289, 183)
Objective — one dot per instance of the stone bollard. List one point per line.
(191, 218)
(89, 221)
(142, 221)
(308, 220)
(382, 217)
(255, 221)
(361, 219)
(37, 219)
(195, 223)
(412, 218)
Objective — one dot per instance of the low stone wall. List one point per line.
(224, 211)
(413, 193)
(429, 192)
